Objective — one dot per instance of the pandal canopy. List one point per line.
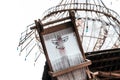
(98, 26)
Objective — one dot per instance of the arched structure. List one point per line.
(94, 16)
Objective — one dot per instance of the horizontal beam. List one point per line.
(58, 73)
(102, 52)
(108, 74)
(56, 21)
(106, 66)
(57, 28)
(106, 59)
(106, 50)
(118, 71)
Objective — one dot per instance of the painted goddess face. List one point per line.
(59, 42)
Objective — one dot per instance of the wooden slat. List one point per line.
(72, 16)
(56, 21)
(51, 22)
(58, 73)
(39, 28)
(118, 71)
(105, 66)
(106, 59)
(108, 74)
(103, 52)
(57, 28)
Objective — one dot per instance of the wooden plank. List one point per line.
(108, 74)
(106, 66)
(108, 59)
(57, 28)
(63, 19)
(52, 22)
(58, 73)
(72, 16)
(38, 25)
(118, 71)
(94, 53)
(102, 53)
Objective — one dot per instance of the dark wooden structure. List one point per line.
(106, 62)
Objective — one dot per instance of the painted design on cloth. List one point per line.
(59, 42)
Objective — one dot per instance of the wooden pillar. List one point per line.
(40, 29)
(72, 16)
(108, 74)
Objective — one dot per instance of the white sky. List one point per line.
(15, 15)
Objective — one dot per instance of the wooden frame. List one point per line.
(71, 24)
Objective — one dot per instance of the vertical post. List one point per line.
(72, 16)
(39, 28)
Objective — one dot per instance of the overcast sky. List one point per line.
(15, 15)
